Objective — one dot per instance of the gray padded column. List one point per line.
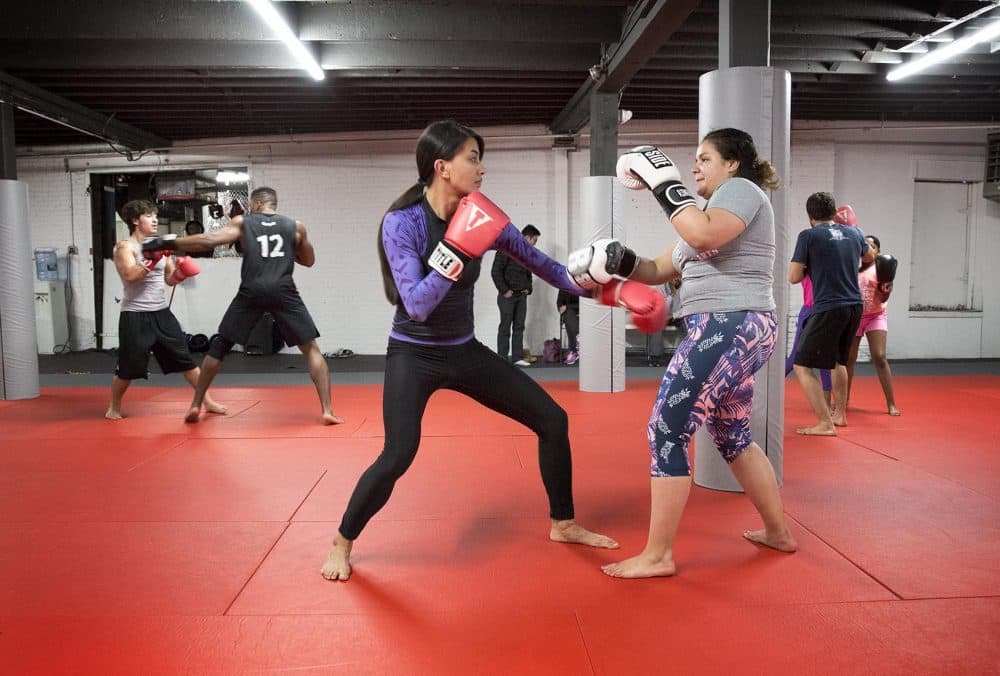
(18, 344)
(758, 101)
(602, 328)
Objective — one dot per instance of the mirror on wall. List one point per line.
(188, 201)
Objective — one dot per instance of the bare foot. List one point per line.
(783, 543)
(893, 410)
(338, 562)
(332, 419)
(212, 406)
(192, 415)
(820, 430)
(114, 414)
(643, 565)
(572, 532)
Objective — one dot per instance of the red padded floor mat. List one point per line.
(151, 546)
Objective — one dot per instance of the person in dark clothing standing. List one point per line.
(272, 245)
(513, 282)
(568, 306)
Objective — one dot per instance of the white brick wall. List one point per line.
(58, 203)
(340, 190)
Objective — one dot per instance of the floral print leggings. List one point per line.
(709, 381)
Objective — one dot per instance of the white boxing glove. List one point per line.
(588, 265)
(601, 262)
(648, 167)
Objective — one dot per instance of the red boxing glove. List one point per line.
(150, 259)
(648, 308)
(472, 230)
(185, 267)
(845, 216)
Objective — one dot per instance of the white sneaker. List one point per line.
(521, 362)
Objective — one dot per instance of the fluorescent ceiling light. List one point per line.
(229, 177)
(273, 19)
(940, 54)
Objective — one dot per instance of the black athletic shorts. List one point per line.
(827, 337)
(285, 305)
(157, 331)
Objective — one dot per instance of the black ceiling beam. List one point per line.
(147, 81)
(41, 103)
(961, 67)
(496, 22)
(861, 9)
(838, 25)
(222, 54)
(172, 21)
(651, 25)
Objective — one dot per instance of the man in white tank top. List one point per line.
(146, 323)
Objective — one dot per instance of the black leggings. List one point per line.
(412, 374)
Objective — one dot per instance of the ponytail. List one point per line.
(412, 195)
(765, 175)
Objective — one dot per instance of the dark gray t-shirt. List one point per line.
(741, 275)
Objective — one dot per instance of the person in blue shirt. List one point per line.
(829, 253)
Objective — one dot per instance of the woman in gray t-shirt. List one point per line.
(725, 258)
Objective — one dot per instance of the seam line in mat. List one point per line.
(846, 557)
(306, 496)
(872, 450)
(941, 477)
(156, 456)
(586, 648)
(274, 544)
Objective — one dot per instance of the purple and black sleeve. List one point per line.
(513, 243)
(404, 238)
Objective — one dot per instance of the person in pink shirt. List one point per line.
(875, 327)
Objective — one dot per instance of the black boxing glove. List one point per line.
(885, 268)
(151, 245)
(885, 273)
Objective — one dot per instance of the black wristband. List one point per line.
(673, 196)
(621, 260)
(158, 243)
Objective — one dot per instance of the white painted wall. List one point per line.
(879, 182)
(340, 186)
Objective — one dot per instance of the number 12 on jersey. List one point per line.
(274, 251)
